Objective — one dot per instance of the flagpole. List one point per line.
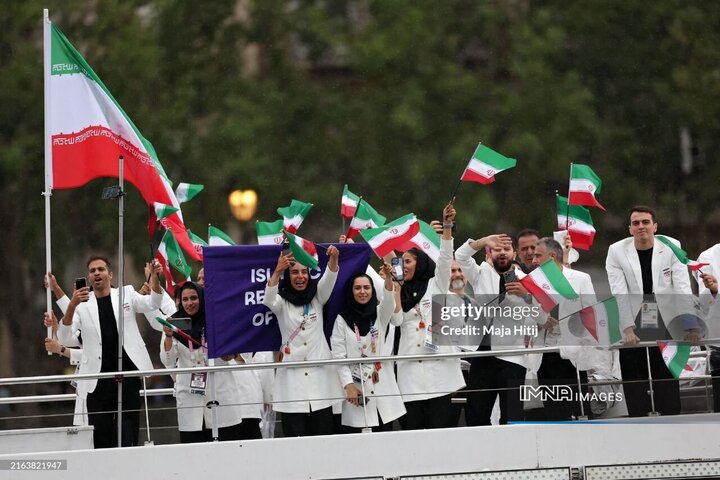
(567, 206)
(457, 186)
(47, 193)
(121, 300)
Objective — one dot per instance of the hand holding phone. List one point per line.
(80, 283)
(510, 276)
(397, 269)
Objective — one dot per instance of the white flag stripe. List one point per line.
(575, 224)
(582, 185)
(669, 352)
(67, 118)
(295, 221)
(482, 168)
(601, 324)
(347, 201)
(272, 239)
(543, 282)
(388, 235)
(425, 244)
(362, 223)
(217, 242)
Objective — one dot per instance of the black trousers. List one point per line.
(431, 413)
(555, 370)
(250, 429)
(633, 364)
(319, 422)
(488, 378)
(233, 432)
(102, 412)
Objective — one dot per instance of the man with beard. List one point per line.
(499, 287)
(94, 313)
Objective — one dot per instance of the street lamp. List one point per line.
(243, 204)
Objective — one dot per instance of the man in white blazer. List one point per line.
(652, 288)
(95, 315)
(560, 368)
(504, 373)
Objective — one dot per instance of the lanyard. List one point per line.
(419, 314)
(373, 338)
(203, 347)
(306, 310)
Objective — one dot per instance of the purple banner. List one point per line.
(235, 279)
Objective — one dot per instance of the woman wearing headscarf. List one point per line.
(426, 385)
(360, 331)
(304, 396)
(192, 391)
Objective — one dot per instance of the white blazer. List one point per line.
(192, 407)
(86, 319)
(302, 390)
(384, 396)
(710, 304)
(486, 281)
(426, 379)
(249, 389)
(671, 284)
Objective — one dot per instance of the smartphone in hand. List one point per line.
(397, 269)
(80, 282)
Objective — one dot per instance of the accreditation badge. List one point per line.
(198, 383)
(649, 315)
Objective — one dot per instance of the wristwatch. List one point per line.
(62, 350)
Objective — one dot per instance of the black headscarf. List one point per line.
(356, 314)
(288, 292)
(197, 325)
(413, 290)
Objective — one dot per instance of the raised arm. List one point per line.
(327, 281)
(444, 263)
(272, 300)
(387, 303)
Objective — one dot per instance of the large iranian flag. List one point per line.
(365, 217)
(676, 356)
(548, 285)
(577, 221)
(426, 240)
(392, 236)
(584, 184)
(484, 164)
(602, 320)
(89, 131)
